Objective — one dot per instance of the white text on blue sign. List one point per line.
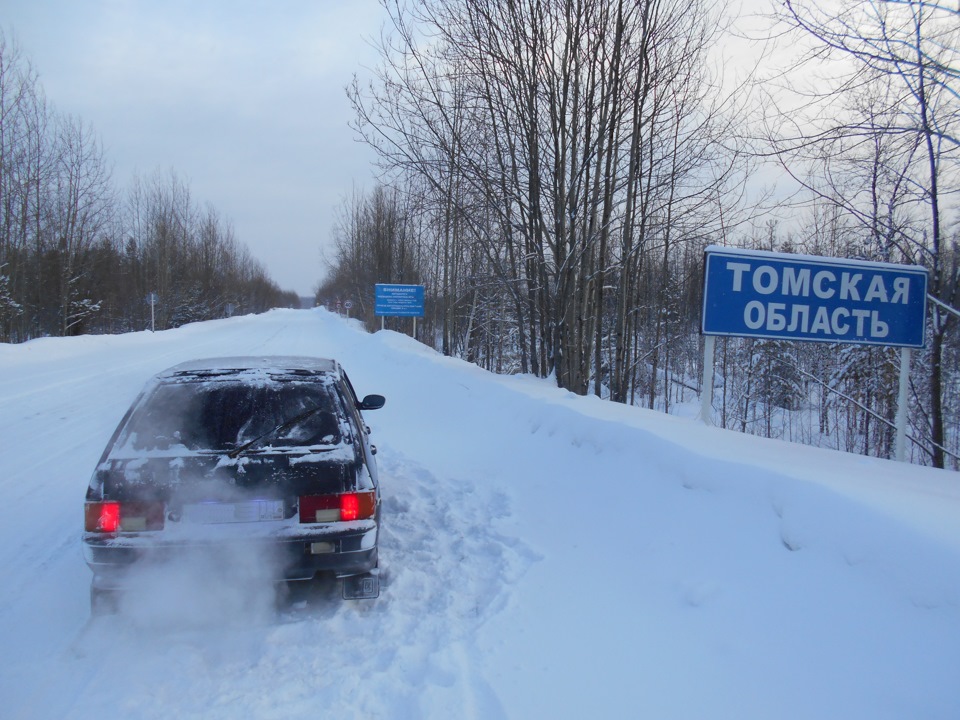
(776, 295)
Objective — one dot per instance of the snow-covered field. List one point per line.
(545, 555)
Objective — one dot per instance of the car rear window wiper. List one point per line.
(285, 425)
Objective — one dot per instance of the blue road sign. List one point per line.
(753, 293)
(398, 300)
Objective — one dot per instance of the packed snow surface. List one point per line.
(544, 556)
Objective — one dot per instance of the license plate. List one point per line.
(210, 513)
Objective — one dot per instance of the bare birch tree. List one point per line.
(564, 138)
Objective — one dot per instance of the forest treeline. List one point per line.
(553, 169)
(77, 255)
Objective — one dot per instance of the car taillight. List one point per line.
(336, 508)
(102, 517)
(111, 517)
(349, 507)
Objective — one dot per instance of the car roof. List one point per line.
(266, 363)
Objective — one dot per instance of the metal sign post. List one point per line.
(902, 399)
(152, 299)
(706, 394)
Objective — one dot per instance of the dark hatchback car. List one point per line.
(268, 451)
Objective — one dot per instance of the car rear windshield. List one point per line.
(224, 414)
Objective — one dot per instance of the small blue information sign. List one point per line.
(398, 300)
(753, 293)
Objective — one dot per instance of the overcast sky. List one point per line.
(244, 99)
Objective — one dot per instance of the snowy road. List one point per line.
(545, 556)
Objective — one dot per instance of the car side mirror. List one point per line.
(372, 402)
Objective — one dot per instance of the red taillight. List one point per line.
(111, 517)
(349, 507)
(334, 508)
(102, 517)
(358, 506)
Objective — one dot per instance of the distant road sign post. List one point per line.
(152, 298)
(754, 293)
(399, 301)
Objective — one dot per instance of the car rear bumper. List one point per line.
(294, 556)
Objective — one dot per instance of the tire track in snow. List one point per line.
(447, 570)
